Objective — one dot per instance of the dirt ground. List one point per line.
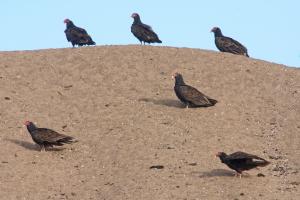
(118, 101)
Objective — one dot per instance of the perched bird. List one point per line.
(240, 161)
(47, 137)
(227, 44)
(189, 95)
(143, 32)
(77, 36)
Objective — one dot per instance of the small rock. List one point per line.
(193, 164)
(295, 183)
(68, 86)
(64, 126)
(6, 98)
(157, 167)
(275, 157)
(242, 194)
(260, 175)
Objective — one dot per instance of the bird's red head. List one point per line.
(26, 123)
(175, 74)
(221, 154)
(214, 29)
(66, 20)
(218, 154)
(134, 15)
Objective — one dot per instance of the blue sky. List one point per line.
(270, 29)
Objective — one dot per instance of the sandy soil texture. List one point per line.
(118, 101)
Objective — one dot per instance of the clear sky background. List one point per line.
(270, 29)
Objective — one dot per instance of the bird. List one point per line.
(227, 44)
(45, 137)
(241, 161)
(76, 35)
(143, 32)
(189, 95)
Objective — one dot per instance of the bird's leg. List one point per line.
(236, 174)
(43, 148)
(245, 173)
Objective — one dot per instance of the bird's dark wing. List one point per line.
(78, 36)
(243, 155)
(192, 95)
(245, 161)
(50, 136)
(227, 44)
(145, 33)
(146, 27)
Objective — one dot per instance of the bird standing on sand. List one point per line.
(143, 32)
(46, 137)
(240, 161)
(76, 35)
(227, 44)
(189, 95)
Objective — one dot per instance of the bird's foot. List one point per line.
(238, 174)
(43, 149)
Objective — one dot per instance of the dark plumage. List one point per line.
(227, 44)
(143, 32)
(240, 161)
(47, 137)
(77, 36)
(190, 96)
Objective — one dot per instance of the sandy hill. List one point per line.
(118, 101)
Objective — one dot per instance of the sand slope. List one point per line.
(118, 101)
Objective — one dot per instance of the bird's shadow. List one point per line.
(164, 102)
(32, 146)
(214, 173)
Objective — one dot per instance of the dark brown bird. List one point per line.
(240, 161)
(46, 137)
(143, 32)
(189, 95)
(76, 35)
(227, 44)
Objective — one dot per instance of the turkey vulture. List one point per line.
(189, 95)
(240, 161)
(227, 44)
(47, 137)
(77, 36)
(143, 32)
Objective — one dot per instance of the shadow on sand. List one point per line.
(215, 172)
(164, 102)
(32, 146)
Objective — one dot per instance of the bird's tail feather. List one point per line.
(213, 101)
(261, 163)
